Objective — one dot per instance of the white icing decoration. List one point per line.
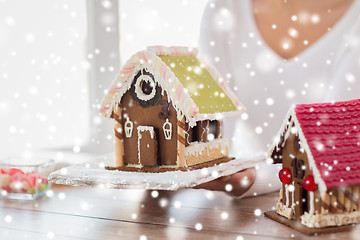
(204, 129)
(312, 203)
(146, 128)
(128, 127)
(220, 129)
(168, 166)
(333, 219)
(143, 129)
(187, 135)
(287, 195)
(135, 165)
(293, 197)
(216, 116)
(285, 211)
(195, 148)
(167, 128)
(138, 90)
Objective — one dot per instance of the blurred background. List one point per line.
(58, 57)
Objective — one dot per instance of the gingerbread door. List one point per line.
(147, 146)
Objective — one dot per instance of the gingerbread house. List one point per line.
(168, 107)
(319, 148)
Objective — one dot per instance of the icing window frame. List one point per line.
(136, 90)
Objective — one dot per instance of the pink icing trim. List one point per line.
(179, 91)
(163, 70)
(176, 51)
(182, 98)
(194, 110)
(160, 50)
(126, 70)
(238, 103)
(141, 55)
(173, 51)
(103, 109)
(114, 90)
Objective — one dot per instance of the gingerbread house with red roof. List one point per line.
(319, 148)
(168, 105)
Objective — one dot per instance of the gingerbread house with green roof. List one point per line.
(168, 106)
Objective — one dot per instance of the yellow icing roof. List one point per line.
(199, 84)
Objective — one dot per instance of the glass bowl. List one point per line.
(25, 179)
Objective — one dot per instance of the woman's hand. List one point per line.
(240, 183)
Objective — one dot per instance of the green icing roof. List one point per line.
(203, 89)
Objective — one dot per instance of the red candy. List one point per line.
(285, 175)
(13, 171)
(309, 183)
(18, 177)
(31, 180)
(8, 189)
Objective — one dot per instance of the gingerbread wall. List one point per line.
(149, 116)
(337, 200)
(294, 160)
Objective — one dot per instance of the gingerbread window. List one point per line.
(194, 133)
(212, 134)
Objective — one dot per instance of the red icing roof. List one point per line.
(332, 131)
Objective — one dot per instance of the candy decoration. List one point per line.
(11, 171)
(14, 180)
(309, 183)
(285, 175)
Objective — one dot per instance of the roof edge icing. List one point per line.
(180, 99)
(285, 132)
(173, 51)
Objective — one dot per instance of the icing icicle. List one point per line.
(287, 194)
(312, 203)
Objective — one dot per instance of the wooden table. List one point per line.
(85, 213)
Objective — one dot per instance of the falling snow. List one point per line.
(228, 187)
(257, 212)
(198, 226)
(53, 101)
(8, 218)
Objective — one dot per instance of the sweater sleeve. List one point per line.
(214, 46)
(345, 77)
